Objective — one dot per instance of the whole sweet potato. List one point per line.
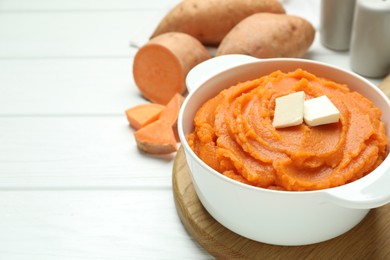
(210, 20)
(265, 35)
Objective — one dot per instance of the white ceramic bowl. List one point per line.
(279, 217)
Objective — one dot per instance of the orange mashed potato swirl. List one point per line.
(234, 135)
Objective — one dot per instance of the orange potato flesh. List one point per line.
(156, 138)
(161, 66)
(234, 135)
(144, 114)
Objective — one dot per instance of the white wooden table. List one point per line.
(73, 184)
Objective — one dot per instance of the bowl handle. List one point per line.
(204, 70)
(373, 195)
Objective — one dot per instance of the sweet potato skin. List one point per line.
(265, 35)
(161, 65)
(210, 20)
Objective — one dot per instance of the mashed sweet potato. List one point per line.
(234, 135)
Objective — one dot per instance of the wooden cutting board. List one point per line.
(370, 239)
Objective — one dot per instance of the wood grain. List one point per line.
(385, 86)
(368, 240)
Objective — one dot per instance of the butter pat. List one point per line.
(289, 110)
(320, 111)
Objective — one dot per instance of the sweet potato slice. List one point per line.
(171, 113)
(156, 138)
(161, 66)
(160, 136)
(141, 115)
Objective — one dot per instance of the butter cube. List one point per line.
(319, 111)
(289, 110)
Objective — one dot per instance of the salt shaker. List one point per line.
(370, 39)
(336, 23)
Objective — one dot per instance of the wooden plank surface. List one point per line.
(65, 152)
(69, 34)
(76, 86)
(73, 185)
(94, 224)
(83, 5)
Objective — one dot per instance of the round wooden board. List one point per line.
(368, 240)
